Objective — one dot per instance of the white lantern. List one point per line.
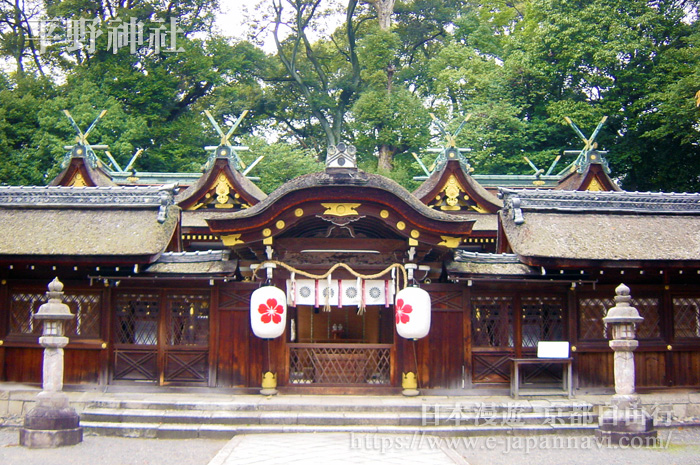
(268, 312)
(412, 311)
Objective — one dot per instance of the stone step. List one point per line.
(393, 405)
(338, 417)
(218, 431)
(160, 418)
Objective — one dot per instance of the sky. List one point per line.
(233, 21)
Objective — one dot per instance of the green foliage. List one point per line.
(404, 169)
(281, 163)
(395, 119)
(517, 67)
(629, 66)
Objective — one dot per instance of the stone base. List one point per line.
(49, 439)
(626, 438)
(268, 392)
(626, 402)
(626, 427)
(410, 392)
(52, 423)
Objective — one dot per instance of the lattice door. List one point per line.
(187, 338)
(334, 364)
(492, 338)
(592, 310)
(686, 317)
(85, 307)
(161, 339)
(492, 321)
(136, 337)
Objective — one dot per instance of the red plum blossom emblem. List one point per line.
(271, 311)
(402, 311)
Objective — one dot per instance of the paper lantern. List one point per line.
(268, 312)
(412, 311)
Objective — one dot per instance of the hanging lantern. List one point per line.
(412, 311)
(268, 312)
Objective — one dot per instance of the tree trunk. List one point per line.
(384, 9)
(386, 153)
(386, 157)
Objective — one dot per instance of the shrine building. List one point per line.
(160, 276)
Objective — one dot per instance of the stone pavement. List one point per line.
(335, 448)
(683, 406)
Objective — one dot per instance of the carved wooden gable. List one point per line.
(453, 191)
(221, 188)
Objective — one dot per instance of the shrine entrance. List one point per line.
(341, 347)
(161, 337)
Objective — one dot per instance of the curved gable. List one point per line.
(344, 203)
(594, 178)
(221, 188)
(78, 173)
(453, 190)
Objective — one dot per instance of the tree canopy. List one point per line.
(517, 67)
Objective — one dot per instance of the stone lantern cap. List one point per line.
(622, 312)
(54, 309)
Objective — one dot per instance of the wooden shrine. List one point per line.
(160, 275)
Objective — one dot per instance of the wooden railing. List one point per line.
(343, 364)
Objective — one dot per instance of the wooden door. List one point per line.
(493, 338)
(161, 337)
(440, 355)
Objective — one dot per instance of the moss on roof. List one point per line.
(604, 236)
(85, 231)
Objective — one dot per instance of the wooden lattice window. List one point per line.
(648, 309)
(542, 320)
(592, 310)
(23, 307)
(189, 320)
(85, 307)
(492, 321)
(686, 317)
(137, 318)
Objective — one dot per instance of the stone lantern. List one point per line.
(626, 420)
(53, 422)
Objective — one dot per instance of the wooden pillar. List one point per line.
(214, 327)
(467, 336)
(667, 325)
(106, 306)
(4, 303)
(518, 325)
(571, 316)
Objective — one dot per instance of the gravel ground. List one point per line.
(102, 450)
(677, 446)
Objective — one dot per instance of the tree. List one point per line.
(281, 164)
(327, 91)
(630, 66)
(16, 33)
(154, 100)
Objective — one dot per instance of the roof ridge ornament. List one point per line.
(588, 155)
(341, 157)
(225, 149)
(91, 197)
(657, 203)
(449, 151)
(82, 148)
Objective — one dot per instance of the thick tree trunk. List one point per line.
(386, 156)
(384, 9)
(386, 153)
